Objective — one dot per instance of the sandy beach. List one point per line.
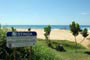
(60, 35)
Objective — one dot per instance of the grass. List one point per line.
(43, 52)
(67, 44)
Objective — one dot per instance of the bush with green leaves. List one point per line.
(3, 47)
(29, 29)
(47, 31)
(42, 52)
(84, 34)
(13, 29)
(75, 28)
(7, 53)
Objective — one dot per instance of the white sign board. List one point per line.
(21, 39)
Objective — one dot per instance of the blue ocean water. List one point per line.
(61, 27)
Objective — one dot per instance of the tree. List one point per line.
(84, 34)
(80, 30)
(13, 29)
(75, 28)
(47, 31)
(29, 29)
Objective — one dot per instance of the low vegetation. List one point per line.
(41, 50)
(75, 28)
(69, 54)
(47, 31)
(84, 34)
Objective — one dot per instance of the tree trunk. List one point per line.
(76, 43)
(49, 38)
(82, 40)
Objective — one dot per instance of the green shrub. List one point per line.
(42, 52)
(84, 34)
(66, 44)
(47, 31)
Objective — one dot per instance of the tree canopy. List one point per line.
(85, 33)
(75, 28)
(47, 30)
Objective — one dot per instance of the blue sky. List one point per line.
(43, 12)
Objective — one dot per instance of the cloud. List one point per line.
(84, 13)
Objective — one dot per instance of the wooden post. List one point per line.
(14, 53)
(7, 56)
(30, 55)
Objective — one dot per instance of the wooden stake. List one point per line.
(6, 56)
(14, 53)
(30, 55)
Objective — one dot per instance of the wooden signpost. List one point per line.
(21, 39)
(14, 53)
(30, 53)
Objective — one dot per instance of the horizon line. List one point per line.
(41, 24)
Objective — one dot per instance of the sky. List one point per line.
(44, 12)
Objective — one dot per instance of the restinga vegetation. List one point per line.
(47, 31)
(22, 53)
(29, 29)
(13, 29)
(41, 51)
(75, 28)
(44, 29)
(84, 34)
(3, 48)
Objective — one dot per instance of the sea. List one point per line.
(57, 27)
